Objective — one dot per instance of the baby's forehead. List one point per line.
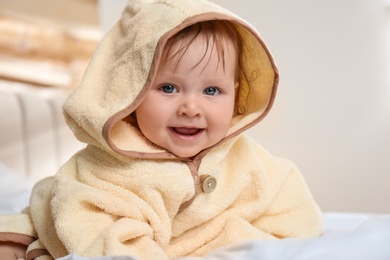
(202, 43)
(201, 54)
(221, 33)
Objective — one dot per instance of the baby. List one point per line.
(167, 171)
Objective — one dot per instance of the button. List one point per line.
(208, 184)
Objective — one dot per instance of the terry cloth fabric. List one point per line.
(122, 195)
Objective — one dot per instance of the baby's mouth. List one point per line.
(186, 131)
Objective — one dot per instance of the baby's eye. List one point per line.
(211, 91)
(168, 89)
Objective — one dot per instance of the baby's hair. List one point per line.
(216, 33)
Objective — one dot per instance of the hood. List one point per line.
(125, 63)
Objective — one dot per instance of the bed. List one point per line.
(26, 156)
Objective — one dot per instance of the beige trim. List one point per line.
(35, 253)
(16, 238)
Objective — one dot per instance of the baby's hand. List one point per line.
(12, 251)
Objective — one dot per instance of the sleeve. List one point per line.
(95, 222)
(293, 211)
(98, 210)
(17, 228)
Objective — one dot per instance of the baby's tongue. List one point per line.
(186, 131)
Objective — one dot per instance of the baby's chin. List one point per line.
(185, 154)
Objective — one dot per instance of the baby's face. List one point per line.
(190, 105)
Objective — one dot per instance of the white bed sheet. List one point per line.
(15, 191)
(364, 237)
(345, 235)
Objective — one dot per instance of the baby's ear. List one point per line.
(236, 85)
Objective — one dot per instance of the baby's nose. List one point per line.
(190, 107)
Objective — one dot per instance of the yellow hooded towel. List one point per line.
(123, 195)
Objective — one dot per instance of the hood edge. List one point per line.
(120, 115)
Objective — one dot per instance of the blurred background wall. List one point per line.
(332, 111)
